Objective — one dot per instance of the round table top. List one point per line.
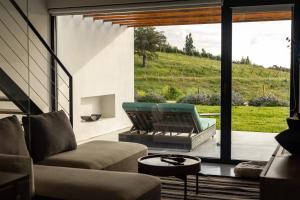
(154, 165)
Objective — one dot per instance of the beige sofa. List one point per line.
(106, 174)
(88, 172)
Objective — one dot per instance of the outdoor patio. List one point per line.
(245, 146)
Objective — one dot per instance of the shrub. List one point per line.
(140, 93)
(151, 98)
(172, 93)
(269, 101)
(194, 99)
(214, 100)
(237, 99)
(197, 99)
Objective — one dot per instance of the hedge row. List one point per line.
(213, 100)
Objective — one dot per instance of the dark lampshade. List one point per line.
(293, 123)
(290, 140)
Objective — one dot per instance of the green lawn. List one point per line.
(257, 119)
(193, 74)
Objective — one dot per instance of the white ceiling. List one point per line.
(73, 7)
(64, 7)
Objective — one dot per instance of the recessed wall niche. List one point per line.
(104, 104)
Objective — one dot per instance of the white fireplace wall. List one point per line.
(100, 57)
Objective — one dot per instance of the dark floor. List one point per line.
(245, 146)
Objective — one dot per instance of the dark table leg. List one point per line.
(185, 188)
(184, 178)
(197, 183)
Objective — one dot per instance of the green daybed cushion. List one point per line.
(207, 122)
(201, 123)
(139, 106)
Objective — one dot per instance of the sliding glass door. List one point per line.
(260, 87)
(260, 81)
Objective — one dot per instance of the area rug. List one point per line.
(210, 188)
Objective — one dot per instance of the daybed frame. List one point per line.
(174, 130)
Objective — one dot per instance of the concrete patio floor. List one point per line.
(245, 146)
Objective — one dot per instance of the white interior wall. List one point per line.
(100, 57)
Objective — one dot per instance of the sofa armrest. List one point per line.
(18, 164)
(15, 163)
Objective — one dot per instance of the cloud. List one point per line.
(263, 42)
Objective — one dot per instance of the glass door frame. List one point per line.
(226, 66)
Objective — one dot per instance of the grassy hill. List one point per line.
(192, 74)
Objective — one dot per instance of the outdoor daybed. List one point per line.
(167, 125)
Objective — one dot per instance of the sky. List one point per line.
(264, 42)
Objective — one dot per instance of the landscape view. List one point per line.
(166, 73)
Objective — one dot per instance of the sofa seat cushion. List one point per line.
(71, 183)
(108, 155)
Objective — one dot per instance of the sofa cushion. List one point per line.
(12, 140)
(108, 155)
(49, 134)
(71, 183)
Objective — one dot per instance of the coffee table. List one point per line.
(154, 165)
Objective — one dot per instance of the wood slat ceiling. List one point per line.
(185, 16)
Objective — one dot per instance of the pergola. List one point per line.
(190, 15)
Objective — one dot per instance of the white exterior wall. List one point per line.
(14, 45)
(100, 57)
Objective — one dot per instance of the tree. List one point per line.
(147, 41)
(189, 46)
(246, 61)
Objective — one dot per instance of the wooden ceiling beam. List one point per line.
(212, 21)
(262, 16)
(126, 13)
(247, 17)
(166, 20)
(161, 15)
